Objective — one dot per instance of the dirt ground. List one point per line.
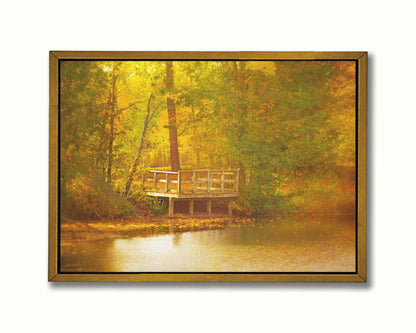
(143, 226)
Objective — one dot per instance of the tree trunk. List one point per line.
(139, 150)
(173, 133)
(112, 117)
(110, 150)
(241, 78)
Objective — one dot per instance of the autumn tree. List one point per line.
(288, 126)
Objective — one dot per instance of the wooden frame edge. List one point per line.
(359, 276)
(53, 165)
(184, 55)
(362, 167)
(207, 277)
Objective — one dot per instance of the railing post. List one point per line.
(230, 210)
(143, 181)
(179, 181)
(167, 183)
(155, 180)
(222, 181)
(208, 180)
(193, 181)
(191, 207)
(237, 180)
(171, 206)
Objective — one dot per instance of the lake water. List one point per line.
(285, 245)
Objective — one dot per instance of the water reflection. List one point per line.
(283, 246)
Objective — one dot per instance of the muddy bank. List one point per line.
(71, 230)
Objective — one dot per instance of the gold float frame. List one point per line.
(360, 275)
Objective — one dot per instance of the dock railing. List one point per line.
(191, 181)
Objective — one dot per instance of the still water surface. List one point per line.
(288, 245)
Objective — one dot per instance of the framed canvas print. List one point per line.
(207, 166)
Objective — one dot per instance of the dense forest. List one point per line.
(288, 126)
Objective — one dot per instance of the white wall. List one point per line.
(29, 29)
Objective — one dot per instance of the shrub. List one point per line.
(86, 198)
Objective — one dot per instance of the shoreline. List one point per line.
(80, 230)
(83, 230)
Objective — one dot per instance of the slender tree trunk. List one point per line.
(195, 148)
(112, 118)
(110, 150)
(173, 133)
(140, 149)
(241, 78)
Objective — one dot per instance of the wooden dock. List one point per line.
(191, 185)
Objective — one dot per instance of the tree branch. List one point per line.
(127, 107)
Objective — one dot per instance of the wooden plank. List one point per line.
(167, 183)
(222, 181)
(162, 194)
(179, 182)
(155, 180)
(212, 172)
(208, 180)
(237, 180)
(205, 170)
(164, 172)
(204, 194)
(215, 170)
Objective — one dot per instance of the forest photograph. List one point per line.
(207, 165)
